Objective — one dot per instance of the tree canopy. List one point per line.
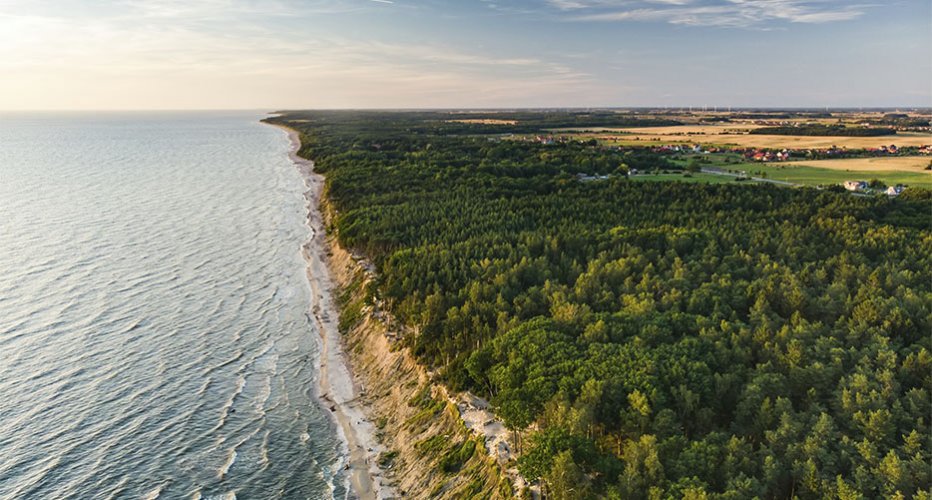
(667, 339)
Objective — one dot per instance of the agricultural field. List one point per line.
(697, 178)
(816, 176)
(727, 128)
(715, 135)
(698, 128)
(485, 121)
(889, 164)
(680, 130)
(891, 171)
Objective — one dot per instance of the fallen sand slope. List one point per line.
(387, 459)
(418, 423)
(339, 392)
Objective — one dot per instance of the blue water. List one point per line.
(154, 337)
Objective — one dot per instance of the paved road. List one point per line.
(758, 179)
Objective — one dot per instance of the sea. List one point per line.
(154, 332)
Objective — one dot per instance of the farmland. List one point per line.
(727, 136)
(728, 142)
(888, 164)
(816, 176)
(692, 178)
(733, 131)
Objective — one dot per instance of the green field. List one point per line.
(694, 178)
(644, 141)
(812, 176)
(803, 175)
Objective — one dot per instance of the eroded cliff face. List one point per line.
(430, 453)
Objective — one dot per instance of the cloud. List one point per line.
(720, 13)
(248, 53)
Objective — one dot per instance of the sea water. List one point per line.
(154, 336)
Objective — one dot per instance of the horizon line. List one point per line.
(270, 110)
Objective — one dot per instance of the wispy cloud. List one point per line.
(722, 13)
(213, 49)
(367, 53)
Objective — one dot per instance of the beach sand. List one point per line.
(340, 392)
(393, 378)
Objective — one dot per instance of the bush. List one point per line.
(454, 459)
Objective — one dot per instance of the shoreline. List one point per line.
(338, 390)
(411, 410)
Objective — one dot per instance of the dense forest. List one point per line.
(903, 120)
(825, 130)
(652, 340)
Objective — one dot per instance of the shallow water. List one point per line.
(154, 337)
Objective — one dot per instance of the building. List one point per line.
(855, 185)
(894, 190)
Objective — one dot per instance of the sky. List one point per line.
(291, 54)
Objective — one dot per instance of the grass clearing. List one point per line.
(697, 178)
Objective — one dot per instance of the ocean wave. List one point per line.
(144, 328)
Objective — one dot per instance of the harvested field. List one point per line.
(670, 135)
(894, 164)
(485, 121)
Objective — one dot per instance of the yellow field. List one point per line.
(674, 130)
(812, 142)
(725, 128)
(485, 121)
(718, 134)
(915, 164)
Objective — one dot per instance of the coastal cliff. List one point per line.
(429, 451)
(406, 436)
(645, 338)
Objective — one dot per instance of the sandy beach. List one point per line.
(339, 392)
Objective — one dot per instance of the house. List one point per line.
(855, 185)
(589, 178)
(894, 190)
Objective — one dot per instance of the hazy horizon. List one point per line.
(475, 54)
(672, 109)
